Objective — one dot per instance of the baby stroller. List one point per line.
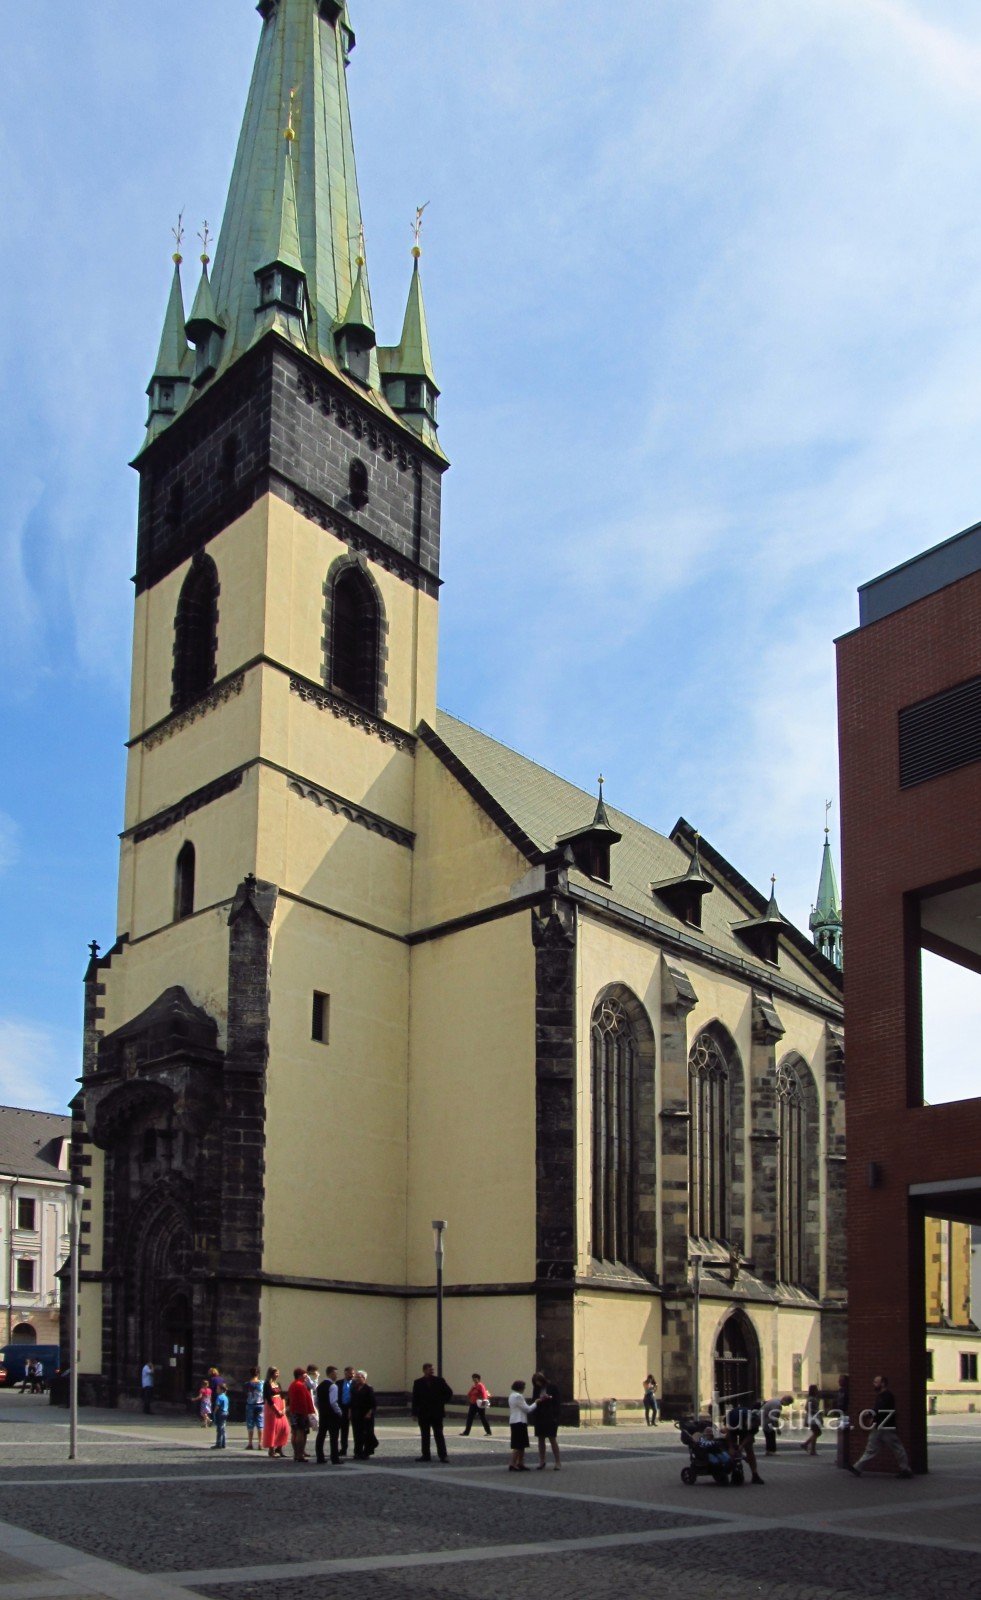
(708, 1458)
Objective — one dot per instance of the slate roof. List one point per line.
(534, 807)
(30, 1143)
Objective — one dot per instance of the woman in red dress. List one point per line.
(275, 1426)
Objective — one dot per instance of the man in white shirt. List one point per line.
(146, 1384)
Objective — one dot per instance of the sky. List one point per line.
(704, 290)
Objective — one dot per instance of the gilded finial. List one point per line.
(290, 133)
(178, 233)
(205, 238)
(360, 255)
(827, 809)
(601, 780)
(773, 880)
(417, 231)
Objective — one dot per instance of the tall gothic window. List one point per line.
(355, 626)
(614, 1097)
(184, 882)
(196, 633)
(710, 1138)
(791, 1191)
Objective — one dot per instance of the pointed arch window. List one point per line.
(791, 1199)
(196, 633)
(354, 639)
(614, 1097)
(710, 1138)
(184, 882)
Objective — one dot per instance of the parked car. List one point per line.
(3, 1375)
(14, 1358)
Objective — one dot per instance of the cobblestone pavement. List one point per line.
(149, 1512)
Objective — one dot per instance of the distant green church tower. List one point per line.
(825, 919)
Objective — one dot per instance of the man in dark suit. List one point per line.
(330, 1414)
(429, 1397)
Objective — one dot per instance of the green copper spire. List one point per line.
(171, 370)
(205, 328)
(293, 200)
(825, 918)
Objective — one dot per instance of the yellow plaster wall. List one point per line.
(335, 1115)
(224, 737)
(307, 849)
(946, 1392)
(472, 1103)
(338, 1329)
(90, 1325)
(493, 1336)
(299, 556)
(617, 1342)
(223, 834)
(192, 953)
(463, 862)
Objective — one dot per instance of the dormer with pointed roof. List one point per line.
(762, 934)
(683, 894)
(590, 846)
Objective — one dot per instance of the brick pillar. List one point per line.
(763, 1136)
(677, 999)
(553, 931)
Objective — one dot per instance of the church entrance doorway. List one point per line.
(175, 1350)
(737, 1362)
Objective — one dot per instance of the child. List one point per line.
(204, 1403)
(221, 1416)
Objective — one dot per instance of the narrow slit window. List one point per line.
(184, 883)
(320, 1021)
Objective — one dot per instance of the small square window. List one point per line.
(320, 1022)
(969, 1366)
(26, 1214)
(25, 1276)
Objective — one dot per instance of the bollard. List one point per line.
(609, 1413)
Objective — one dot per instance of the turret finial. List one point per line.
(94, 948)
(827, 809)
(601, 780)
(178, 233)
(290, 132)
(417, 231)
(360, 256)
(205, 238)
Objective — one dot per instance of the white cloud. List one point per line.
(38, 1065)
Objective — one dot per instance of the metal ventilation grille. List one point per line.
(940, 734)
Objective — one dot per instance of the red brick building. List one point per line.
(909, 690)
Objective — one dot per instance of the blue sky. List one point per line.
(704, 287)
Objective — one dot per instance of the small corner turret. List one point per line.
(281, 282)
(168, 386)
(355, 334)
(205, 329)
(407, 369)
(825, 921)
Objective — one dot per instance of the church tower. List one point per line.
(825, 918)
(287, 573)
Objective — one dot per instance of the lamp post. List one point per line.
(695, 1262)
(439, 1228)
(75, 1191)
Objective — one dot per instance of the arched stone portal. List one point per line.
(737, 1361)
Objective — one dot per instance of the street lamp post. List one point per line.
(696, 1264)
(439, 1228)
(75, 1191)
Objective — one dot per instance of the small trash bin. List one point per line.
(609, 1413)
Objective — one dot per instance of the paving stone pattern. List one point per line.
(195, 1524)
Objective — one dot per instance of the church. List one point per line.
(373, 967)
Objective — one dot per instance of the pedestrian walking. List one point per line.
(883, 1432)
(275, 1428)
(146, 1386)
(429, 1397)
(813, 1420)
(346, 1391)
(519, 1411)
(221, 1415)
(547, 1396)
(253, 1407)
(478, 1402)
(363, 1417)
(204, 1398)
(742, 1423)
(771, 1417)
(331, 1416)
(651, 1403)
(301, 1411)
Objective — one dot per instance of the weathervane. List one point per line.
(178, 233)
(361, 245)
(827, 807)
(205, 238)
(417, 231)
(290, 133)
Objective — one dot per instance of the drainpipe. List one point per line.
(10, 1260)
